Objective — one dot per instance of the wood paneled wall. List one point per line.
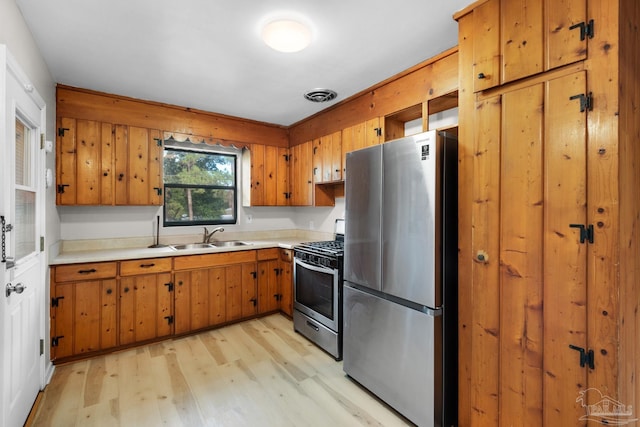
(430, 79)
(91, 105)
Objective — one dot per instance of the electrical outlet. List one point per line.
(249, 219)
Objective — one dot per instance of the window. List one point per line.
(200, 187)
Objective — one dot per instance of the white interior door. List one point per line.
(21, 205)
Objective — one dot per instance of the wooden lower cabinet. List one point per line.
(101, 306)
(286, 281)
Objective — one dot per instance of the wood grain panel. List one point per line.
(485, 273)
(155, 177)
(217, 296)
(257, 175)
(265, 254)
(83, 272)
(521, 257)
(249, 301)
(563, 44)
(213, 260)
(336, 156)
(521, 38)
(87, 316)
(145, 266)
(66, 162)
(565, 261)
(318, 145)
(92, 105)
(233, 303)
(121, 154)
(107, 178)
(268, 292)
(283, 187)
(62, 320)
(629, 318)
(466, 117)
(270, 176)
(88, 150)
(605, 166)
(486, 45)
(138, 164)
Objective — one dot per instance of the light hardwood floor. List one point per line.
(255, 373)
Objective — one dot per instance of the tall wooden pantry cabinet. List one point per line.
(549, 138)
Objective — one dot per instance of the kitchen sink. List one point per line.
(230, 243)
(193, 246)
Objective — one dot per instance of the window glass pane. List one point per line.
(199, 187)
(23, 154)
(201, 205)
(188, 167)
(25, 223)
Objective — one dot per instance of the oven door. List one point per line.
(316, 293)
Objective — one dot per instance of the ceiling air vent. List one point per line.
(320, 95)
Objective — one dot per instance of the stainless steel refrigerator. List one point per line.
(400, 275)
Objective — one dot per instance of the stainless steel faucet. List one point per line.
(207, 235)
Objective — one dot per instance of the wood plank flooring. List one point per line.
(254, 373)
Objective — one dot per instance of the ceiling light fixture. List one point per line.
(286, 35)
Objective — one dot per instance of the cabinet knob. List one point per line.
(481, 76)
(109, 291)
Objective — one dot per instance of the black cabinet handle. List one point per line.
(147, 265)
(93, 270)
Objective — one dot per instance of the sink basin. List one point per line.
(193, 246)
(230, 243)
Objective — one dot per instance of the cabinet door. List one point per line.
(283, 190)
(138, 166)
(336, 157)
(565, 43)
(286, 281)
(233, 275)
(317, 160)
(270, 176)
(199, 299)
(249, 277)
(257, 175)
(268, 289)
(302, 174)
(84, 317)
(145, 307)
(521, 38)
(84, 162)
(486, 45)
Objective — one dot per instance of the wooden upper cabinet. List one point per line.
(327, 158)
(486, 45)
(138, 165)
(520, 38)
(268, 176)
(102, 164)
(302, 174)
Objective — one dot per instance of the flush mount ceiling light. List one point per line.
(320, 95)
(286, 35)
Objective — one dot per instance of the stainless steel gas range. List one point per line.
(317, 303)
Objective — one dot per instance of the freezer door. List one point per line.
(395, 352)
(363, 191)
(411, 232)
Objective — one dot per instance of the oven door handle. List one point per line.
(315, 267)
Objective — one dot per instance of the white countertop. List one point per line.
(117, 254)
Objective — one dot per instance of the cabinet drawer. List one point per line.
(76, 272)
(286, 255)
(145, 266)
(271, 253)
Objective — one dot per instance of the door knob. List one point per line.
(18, 289)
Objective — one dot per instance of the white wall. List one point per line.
(106, 222)
(17, 37)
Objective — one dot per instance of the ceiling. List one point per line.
(207, 54)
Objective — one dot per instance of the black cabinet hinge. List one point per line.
(586, 29)
(286, 157)
(169, 286)
(287, 195)
(586, 357)
(169, 319)
(586, 232)
(61, 188)
(158, 141)
(55, 341)
(254, 274)
(586, 101)
(378, 131)
(158, 191)
(61, 131)
(55, 301)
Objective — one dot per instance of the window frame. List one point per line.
(190, 147)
